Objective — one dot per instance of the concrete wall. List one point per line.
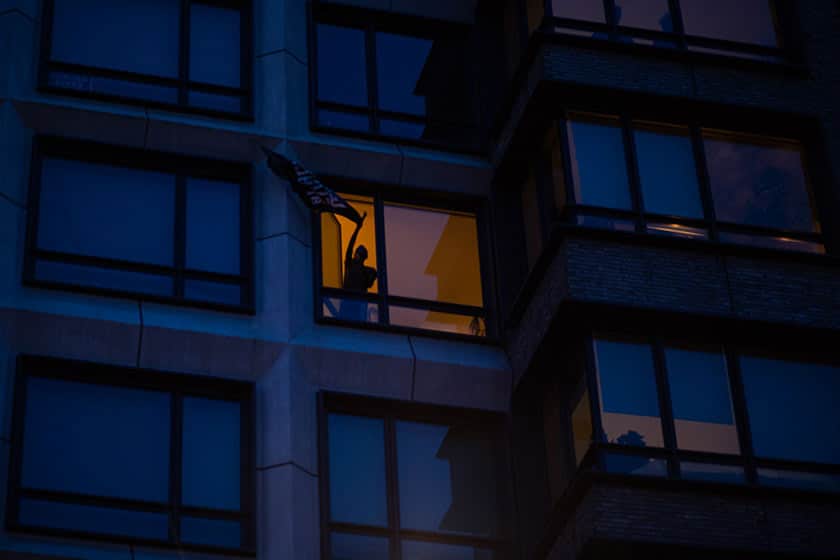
(280, 348)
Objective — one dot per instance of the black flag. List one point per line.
(309, 188)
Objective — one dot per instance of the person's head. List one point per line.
(361, 253)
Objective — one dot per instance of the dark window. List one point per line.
(191, 54)
(684, 181)
(408, 266)
(140, 224)
(131, 456)
(746, 30)
(400, 481)
(703, 412)
(392, 77)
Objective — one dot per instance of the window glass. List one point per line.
(105, 211)
(599, 169)
(792, 409)
(582, 427)
(701, 402)
(401, 61)
(629, 402)
(358, 547)
(81, 275)
(432, 254)
(211, 454)
(357, 470)
(759, 183)
(341, 65)
(638, 465)
(214, 45)
(216, 292)
(110, 521)
(417, 550)
(214, 532)
(751, 22)
(667, 171)
(822, 482)
(531, 220)
(349, 262)
(644, 14)
(93, 439)
(349, 121)
(138, 36)
(711, 472)
(213, 226)
(472, 325)
(578, 9)
(447, 479)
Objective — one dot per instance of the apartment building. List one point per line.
(585, 304)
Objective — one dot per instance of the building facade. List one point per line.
(589, 308)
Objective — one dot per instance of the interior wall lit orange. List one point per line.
(335, 236)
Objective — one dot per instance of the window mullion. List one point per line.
(180, 240)
(739, 405)
(382, 278)
(392, 484)
(175, 466)
(633, 171)
(609, 16)
(184, 53)
(677, 23)
(666, 412)
(704, 181)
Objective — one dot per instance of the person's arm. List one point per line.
(348, 256)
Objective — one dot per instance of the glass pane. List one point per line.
(214, 45)
(214, 292)
(358, 547)
(599, 170)
(644, 14)
(81, 202)
(416, 550)
(634, 464)
(133, 35)
(212, 532)
(349, 309)
(759, 184)
(403, 129)
(213, 228)
(432, 255)
(700, 398)
(347, 121)
(211, 454)
(437, 321)
(109, 521)
(677, 230)
(711, 472)
(109, 279)
(667, 171)
(792, 409)
(806, 480)
(751, 22)
(601, 222)
(629, 402)
(227, 103)
(342, 74)
(448, 479)
(783, 243)
(112, 86)
(93, 439)
(582, 427)
(590, 10)
(400, 62)
(357, 470)
(531, 220)
(348, 251)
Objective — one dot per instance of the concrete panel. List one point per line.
(18, 41)
(278, 209)
(461, 374)
(353, 159)
(437, 171)
(15, 155)
(281, 25)
(28, 8)
(356, 361)
(88, 120)
(296, 94)
(271, 80)
(287, 510)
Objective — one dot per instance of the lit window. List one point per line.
(416, 267)
(138, 224)
(133, 50)
(373, 77)
(430, 489)
(117, 453)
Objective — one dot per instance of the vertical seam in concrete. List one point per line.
(413, 366)
(140, 338)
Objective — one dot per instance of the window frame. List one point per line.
(391, 411)
(245, 92)
(443, 201)
(638, 219)
(371, 22)
(683, 43)
(177, 386)
(747, 460)
(180, 167)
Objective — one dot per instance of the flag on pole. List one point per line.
(314, 193)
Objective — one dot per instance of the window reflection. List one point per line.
(759, 182)
(645, 14)
(702, 407)
(599, 170)
(627, 386)
(342, 68)
(750, 22)
(578, 9)
(400, 61)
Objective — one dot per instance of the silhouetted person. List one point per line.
(357, 277)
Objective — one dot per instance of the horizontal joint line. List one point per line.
(281, 51)
(287, 464)
(276, 235)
